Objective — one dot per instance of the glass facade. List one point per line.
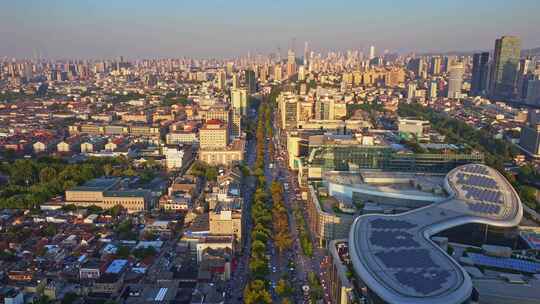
(505, 68)
(354, 157)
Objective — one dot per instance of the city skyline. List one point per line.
(237, 152)
(62, 29)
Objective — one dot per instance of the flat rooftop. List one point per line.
(98, 184)
(126, 193)
(116, 266)
(403, 183)
(531, 236)
(500, 291)
(394, 256)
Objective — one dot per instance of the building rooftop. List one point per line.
(116, 266)
(531, 236)
(398, 184)
(126, 193)
(495, 290)
(98, 184)
(394, 256)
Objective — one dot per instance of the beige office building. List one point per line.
(215, 135)
(107, 193)
(225, 156)
(226, 222)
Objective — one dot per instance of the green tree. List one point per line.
(315, 288)
(142, 253)
(69, 207)
(258, 235)
(528, 195)
(130, 172)
(211, 173)
(116, 210)
(283, 241)
(258, 249)
(50, 230)
(283, 288)
(256, 293)
(69, 184)
(286, 301)
(125, 230)
(122, 252)
(22, 172)
(107, 169)
(47, 174)
(69, 298)
(94, 209)
(258, 267)
(43, 300)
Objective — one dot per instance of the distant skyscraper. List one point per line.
(455, 80)
(150, 80)
(411, 91)
(505, 66)
(371, 52)
(530, 134)
(417, 66)
(306, 53)
(291, 63)
(479, 78)
(433, 89)
(239, 100)
(251, 81)
(221, 80)
(263, 74)
(302, 73)
(235, 81)
(230, 67)
(278, 72)
(533, 91)
(436, 65)
(524, 75)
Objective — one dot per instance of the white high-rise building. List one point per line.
(411, 91)
(306, 53)
(302, 73)
(371, 52)
(455, 80)
(235, 81)
(174, 157)
(278, 72)
(239, 100)
(433, 90)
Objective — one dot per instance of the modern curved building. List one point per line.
(389, 188)
(395, 257)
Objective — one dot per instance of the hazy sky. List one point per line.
(203, 28)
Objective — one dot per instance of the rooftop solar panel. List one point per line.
(484, 208)
(406, 258)
(475, 169)
(423, 282)
(392, 239)
(391, 224)
(505, 263)
(474, 193)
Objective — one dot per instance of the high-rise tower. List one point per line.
(455, 80)
(505, 66)
(371, 52)
(479, 78)
(291, 63)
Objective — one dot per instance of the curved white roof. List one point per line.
(394, 256)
